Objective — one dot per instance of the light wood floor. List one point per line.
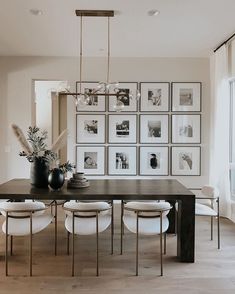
(213, 272)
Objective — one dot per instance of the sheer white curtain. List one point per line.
(219, 161)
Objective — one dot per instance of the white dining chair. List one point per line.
(89, 218)
(205, 206)
(23, 219)
(145, 218)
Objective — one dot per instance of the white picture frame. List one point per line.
(185, 161)
(154, 128)
(122, 160)
(96, 102)
(154, 96)
(186, 96)
(122, 128)
(154, 161)
(90, 160)
(130, 104)
(186, 128)
(90, 128)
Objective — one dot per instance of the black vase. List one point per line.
(56, 179)
(39, 173)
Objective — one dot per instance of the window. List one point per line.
(232, 138)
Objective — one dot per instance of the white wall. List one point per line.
(17, 73)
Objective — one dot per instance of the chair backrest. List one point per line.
(22, 209)
(154, 208)
(210, 191)
(86, 208)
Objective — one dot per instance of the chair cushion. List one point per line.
(20, 206)
(21, 227)
(147, 226)
(149, 206)
(87, 225)
(202, 209)
(87, 206)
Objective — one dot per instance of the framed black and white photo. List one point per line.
(186, 96)
(90, 128)
(122, 128)
(154, 97)
(154, 129)
(186, 128)
(91, 160)
(130, 104)
(122, 160)
(154, 161)
(186, 161)
(94, 102)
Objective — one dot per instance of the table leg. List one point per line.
(186, 229)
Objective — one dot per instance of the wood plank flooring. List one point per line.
(213, 272)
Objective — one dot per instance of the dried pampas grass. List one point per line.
(60, 142)
(21, 138)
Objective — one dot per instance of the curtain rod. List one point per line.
(226, 41)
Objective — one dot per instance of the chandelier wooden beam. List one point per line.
(94, 13)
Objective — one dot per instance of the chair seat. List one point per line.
(21, 227)
(87, 225)
(205, 210)
(147, 226)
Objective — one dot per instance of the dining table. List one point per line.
(182, 224)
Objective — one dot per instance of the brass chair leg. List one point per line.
(137, 245)
(30, 246)
(97, 244)
(164, 243)
(218, 226)
(161, 243)
(212, 218)
(11, 245)
(6, 253)
(112, 229)
(121, 251)
(73, 245)
(55, 228)
(68, 235)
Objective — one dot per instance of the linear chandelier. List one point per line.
(104, 88)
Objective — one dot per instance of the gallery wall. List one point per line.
(17, 74)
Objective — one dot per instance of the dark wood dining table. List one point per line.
(123, 189)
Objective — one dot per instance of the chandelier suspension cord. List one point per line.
(81, 48)
(108, 61)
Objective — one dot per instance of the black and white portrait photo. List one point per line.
(122, 160)
(186, 97)
(154, 161)
(186, 128)
(186, 161)
(90, 128)
(123, 96)
(123, 91)
(154, 97)
(90, 160)
(154, 129)
(123, 128)
(94, 102)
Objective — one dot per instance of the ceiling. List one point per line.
(184, 28)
